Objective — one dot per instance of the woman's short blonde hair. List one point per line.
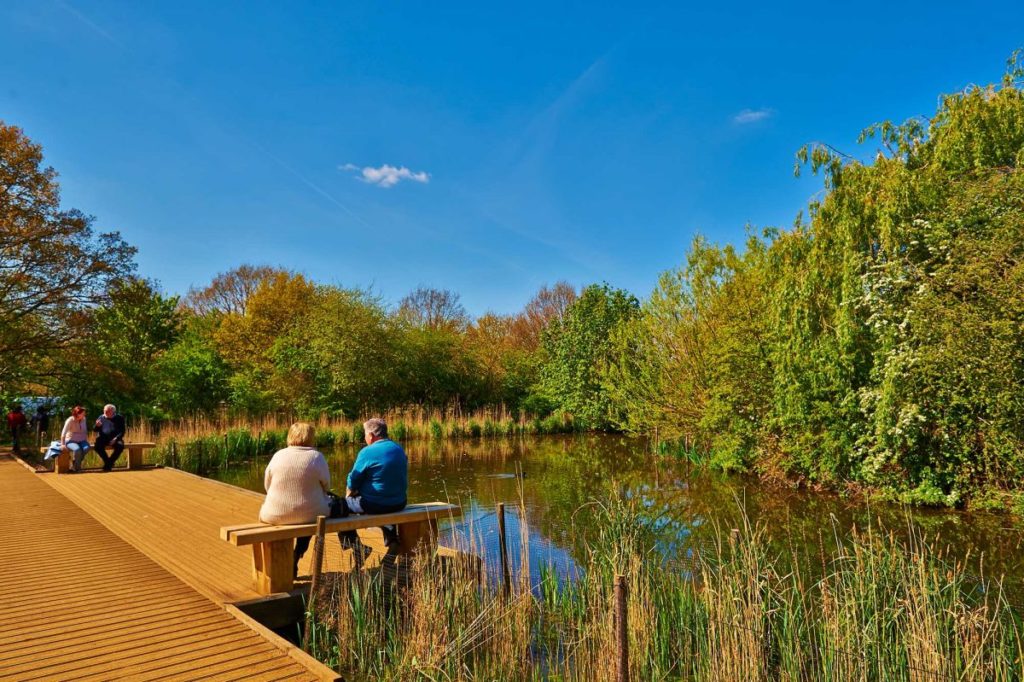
(302, 433)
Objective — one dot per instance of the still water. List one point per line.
(555, 481)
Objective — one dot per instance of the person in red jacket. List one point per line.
(16, 423)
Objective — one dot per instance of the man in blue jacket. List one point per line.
(379, 480)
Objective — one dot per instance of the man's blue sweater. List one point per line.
(381, 473)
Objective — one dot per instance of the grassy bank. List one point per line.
(201, 445)
(878, 609)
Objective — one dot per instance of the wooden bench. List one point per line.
(133, 457)
(273, 546)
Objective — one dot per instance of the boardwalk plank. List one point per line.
(80, 602)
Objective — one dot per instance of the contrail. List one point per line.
(312, 185)
(89, 22)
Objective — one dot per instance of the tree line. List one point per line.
(877, 342)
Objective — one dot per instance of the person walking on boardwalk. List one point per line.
(379, 480)
(16, 424)
(75, 436)
(110, 429)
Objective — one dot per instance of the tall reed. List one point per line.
(880, 609)
(204, 444)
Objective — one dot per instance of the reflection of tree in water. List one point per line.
(686, 509)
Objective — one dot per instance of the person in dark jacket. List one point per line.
(16, 422)
(110, 431)
(40, 423)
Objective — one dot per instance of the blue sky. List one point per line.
(482, 147)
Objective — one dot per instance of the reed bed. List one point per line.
(877, 609)
(202, 445)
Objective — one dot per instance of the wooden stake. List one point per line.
(314, 584)
(621, 629)
(506, 575)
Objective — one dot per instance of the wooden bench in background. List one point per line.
(273, 546)
(132, 456)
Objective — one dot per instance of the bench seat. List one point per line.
(133, 456)
(272, 546)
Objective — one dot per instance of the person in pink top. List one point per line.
(75, 436)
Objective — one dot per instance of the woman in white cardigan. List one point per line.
(297, 480)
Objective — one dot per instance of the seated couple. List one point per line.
(109, 428)
(298, 484)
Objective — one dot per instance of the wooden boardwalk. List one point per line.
(85, 599)
(175, 518)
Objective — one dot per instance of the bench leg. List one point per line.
(412, 535)
(134, 458)
(272, 566)
(62, 462)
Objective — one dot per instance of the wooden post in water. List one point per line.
(506, 576)
(314, 584)
(621, 629)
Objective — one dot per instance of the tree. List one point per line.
(53, 265)
(191, 377)
(433, 309)
(340, 355)
(126, 336)
(246, 340)
(548, 305)
(695, 363)
(229, 292)
(578, 349)
(508, 363)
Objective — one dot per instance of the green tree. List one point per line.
(123, 339)
(191, 377)
(53, 267)
(339, 356)
(578, 349)
(694, 365)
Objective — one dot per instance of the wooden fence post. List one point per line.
(314, 584)
(506, 575)
(621, 629)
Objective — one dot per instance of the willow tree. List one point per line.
(861, 304)
(53, 267)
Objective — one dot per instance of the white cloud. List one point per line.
(386, 175)
(752, 116)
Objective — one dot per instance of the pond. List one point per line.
(555, 481)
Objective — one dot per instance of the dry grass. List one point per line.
(203, 444)
(880, 610)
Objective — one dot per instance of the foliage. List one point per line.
(880, 342)
(126, 335)
(53, 266)
(339, 356)
(577, 350)
(191, 376)
(695, 361)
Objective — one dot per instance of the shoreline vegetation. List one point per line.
(201, 446)
(876, 608)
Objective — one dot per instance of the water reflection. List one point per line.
(552, 479)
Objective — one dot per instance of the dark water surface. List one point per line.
(554, 479)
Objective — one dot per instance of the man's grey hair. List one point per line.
(375, 427)
(109, 407)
